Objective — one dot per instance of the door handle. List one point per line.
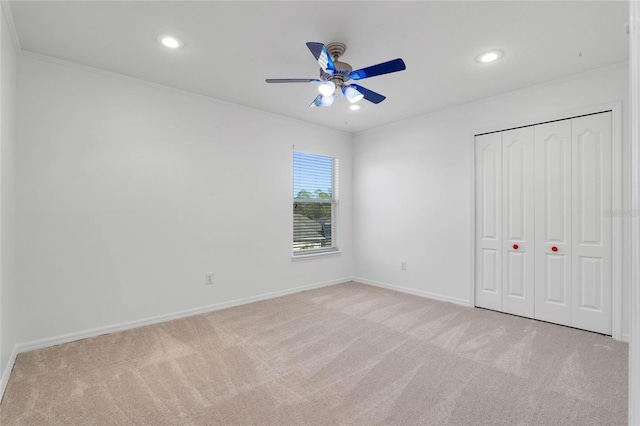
(515, 247)
(554, 248)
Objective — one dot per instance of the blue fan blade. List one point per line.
(373, 70)
(292, 80)
(321, 54)
(369, 95)
(316, 102)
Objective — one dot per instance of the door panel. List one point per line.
(515, 281)
(518, 221)
(589, 278)
(591, 198)
(556, 285)
(488, 200)
(553, 215)
(490, 271)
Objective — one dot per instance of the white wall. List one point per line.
(129, 193)
(8, 309)
(413, 184)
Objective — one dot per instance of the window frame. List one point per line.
(334, 201)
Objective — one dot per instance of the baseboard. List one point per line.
(415, 292)
(4, 380)
(66, 338)
(624, 337)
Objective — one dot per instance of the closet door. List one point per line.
(518, 221)
(488, 200)
(591, 233)
(553, 291)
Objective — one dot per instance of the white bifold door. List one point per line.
(543, 240)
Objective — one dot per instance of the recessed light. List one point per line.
(354, 107)
(170, 41)
(487, 57)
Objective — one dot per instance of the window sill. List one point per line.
(308, 256)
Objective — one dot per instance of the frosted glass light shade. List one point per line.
(352, 94)
(327, 100)
(327, 88)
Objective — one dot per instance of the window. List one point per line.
(315, 202)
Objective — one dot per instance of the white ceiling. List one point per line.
(231, 47)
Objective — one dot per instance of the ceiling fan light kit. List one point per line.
(334, 74)
(327, 88)
(352, 94)
(322, 100)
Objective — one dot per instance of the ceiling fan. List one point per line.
(335, 74)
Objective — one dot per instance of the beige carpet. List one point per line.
(346, 354)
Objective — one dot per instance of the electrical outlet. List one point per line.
(208, 278)
(403, 265)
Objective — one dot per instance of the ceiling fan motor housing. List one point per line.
(342, 68)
